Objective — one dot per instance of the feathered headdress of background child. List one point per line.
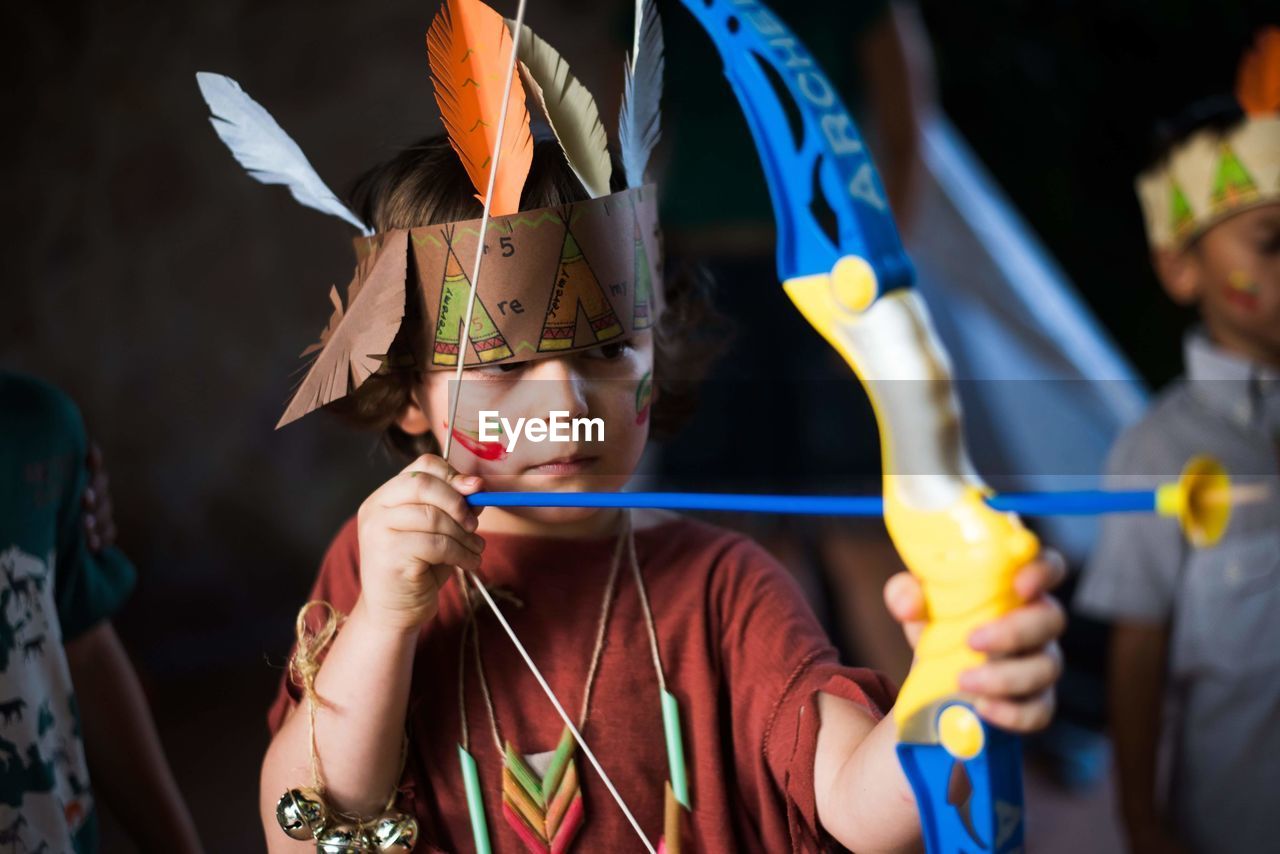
(1213, 173)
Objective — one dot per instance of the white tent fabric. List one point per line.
(1045, 391)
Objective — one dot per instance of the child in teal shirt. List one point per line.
(69, 698)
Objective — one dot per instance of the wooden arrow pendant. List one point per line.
(675, 826)
(545, 811)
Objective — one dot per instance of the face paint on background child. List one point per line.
(1241, 290)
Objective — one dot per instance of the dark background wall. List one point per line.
(170, 295)
(1059, 98)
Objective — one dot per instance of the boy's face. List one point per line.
(612, 383)
(1232, 273)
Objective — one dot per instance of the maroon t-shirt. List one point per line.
(741, 650)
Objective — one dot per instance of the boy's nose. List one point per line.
(560, 386)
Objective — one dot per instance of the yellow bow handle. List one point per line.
(964, 553)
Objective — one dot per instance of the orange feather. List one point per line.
(1258, 81)
(469, 46)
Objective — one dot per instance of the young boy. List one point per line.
(785, 748)
(752, 668)
(71, 702)
(1194, 627)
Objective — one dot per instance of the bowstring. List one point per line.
(456, 396)
(564, 716)
(485, 212)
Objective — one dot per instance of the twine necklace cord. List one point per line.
(462, 658)
(603, 625)
(649, 623)
(471, 632)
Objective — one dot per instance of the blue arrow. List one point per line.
(1087, 502)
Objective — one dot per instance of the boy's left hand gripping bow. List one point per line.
(842, 264)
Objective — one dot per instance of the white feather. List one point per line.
(640, 122)
(263, 148)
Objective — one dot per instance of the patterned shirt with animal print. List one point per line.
(52, 588)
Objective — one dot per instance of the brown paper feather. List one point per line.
(355, 342)
(469, 47)
(1258, 81)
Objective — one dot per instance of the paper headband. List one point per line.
(553, 280)
(1213, 175)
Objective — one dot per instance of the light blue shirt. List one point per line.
(1222, 603)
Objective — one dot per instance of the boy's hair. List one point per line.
(1221, 114)
(426, 184)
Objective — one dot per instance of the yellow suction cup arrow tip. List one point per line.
(1200, 500)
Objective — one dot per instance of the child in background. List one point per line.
(1198, 627)
(69, 699)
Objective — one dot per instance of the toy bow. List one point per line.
(842, 263)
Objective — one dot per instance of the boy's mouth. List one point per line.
(570, 464)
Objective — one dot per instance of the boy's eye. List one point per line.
(497, 371)
(609, 352)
